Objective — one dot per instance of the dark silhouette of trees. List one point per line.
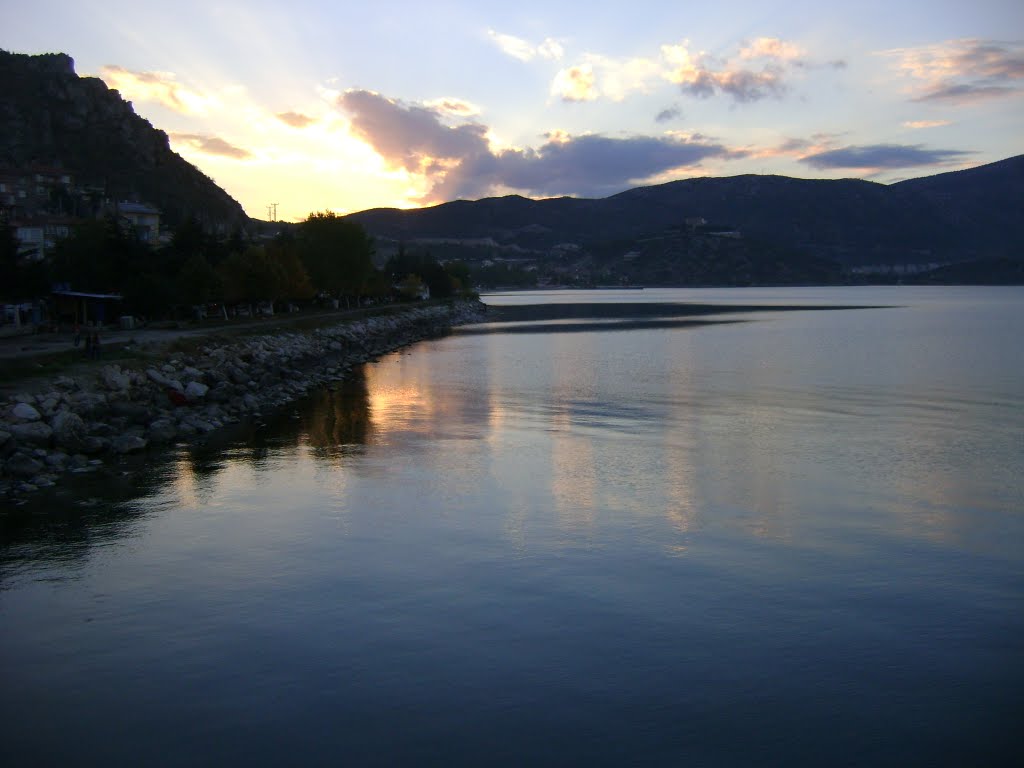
(337, 254)
(22, 276)
(443, 281)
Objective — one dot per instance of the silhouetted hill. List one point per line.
(950, 217)
(49, 116)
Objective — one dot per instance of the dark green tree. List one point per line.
(24, 277)
(337, 254)
(197, 282)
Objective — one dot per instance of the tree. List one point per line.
(337, 254)
(23, 277)
(251, 276)
(295, 283)
(198, 282)
(100, 256)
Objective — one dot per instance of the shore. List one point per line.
(81, 422)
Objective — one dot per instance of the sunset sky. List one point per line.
(349, 106)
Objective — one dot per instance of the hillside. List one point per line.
(972, 214)
(51, 117)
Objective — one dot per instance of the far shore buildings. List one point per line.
(42, 203)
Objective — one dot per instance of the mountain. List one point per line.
(951, 217)
(52, 118)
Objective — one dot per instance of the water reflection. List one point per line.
(336, 421)
(756, 427)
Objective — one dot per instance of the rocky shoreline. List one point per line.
(79, 424)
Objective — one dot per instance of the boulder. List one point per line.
(194, 391)
(57, 460)
(69, 430)
(163, 379)
(114, 379)
(32, 433)
(162, 431)
(94, 444)
(220, 393)
(50, 404)
(127, 444)
(237, 375)
(87, 403)
(20, 465)
(133, 413)
(23, 412)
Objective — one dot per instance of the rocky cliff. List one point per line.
(49, 116)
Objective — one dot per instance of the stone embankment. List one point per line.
(78, 424)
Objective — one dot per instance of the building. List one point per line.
(143, 219)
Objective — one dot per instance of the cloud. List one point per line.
(459, 162)
(771, 48)
(210, 145)
(161, 87)
(453, 106)
(594, 165)
(798, 147)
(668, 114)
(703, 76)
(520, 49)
(962, 71)
(575, 84)
(602, 76)
(294, 119)
(925, 123)
(963, 93)
(882, 157)
(757, 70)
(410, 136)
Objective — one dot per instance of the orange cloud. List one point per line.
(962, 71)
(453, 106)
(161, 87)
(210, 145)
(295, 119)
(925, 123)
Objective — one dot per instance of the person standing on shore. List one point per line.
(88, 345)
(96, 344)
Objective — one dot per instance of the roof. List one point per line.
(137, 208)
(81, 295)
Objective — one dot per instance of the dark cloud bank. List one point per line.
(883, 156)
(464, 166)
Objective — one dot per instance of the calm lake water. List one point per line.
(797, 539)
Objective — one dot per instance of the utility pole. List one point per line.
(274, 206)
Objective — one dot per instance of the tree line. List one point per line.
(325, 257)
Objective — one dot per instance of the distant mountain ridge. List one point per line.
(49, 116)
(962, 215)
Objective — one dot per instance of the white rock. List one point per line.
(114, 378)
(195, 391)
(24, 412)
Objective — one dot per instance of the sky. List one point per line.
(302, 106)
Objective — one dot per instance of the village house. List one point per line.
(143, 219)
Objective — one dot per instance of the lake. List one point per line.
(774, 537)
